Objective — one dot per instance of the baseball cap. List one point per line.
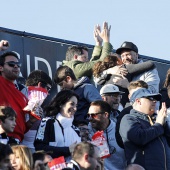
(109, 89)
(127, 46)
(142, 93)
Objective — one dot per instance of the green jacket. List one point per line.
(81, 69)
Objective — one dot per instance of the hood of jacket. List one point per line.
(81, 81)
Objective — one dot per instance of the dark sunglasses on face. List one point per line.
(82, 129)
(151, 99)
(93, 115)
(115, 95)
(46, 86)
(13, 64)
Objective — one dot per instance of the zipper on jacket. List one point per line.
(164, 151)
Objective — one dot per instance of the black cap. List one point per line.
(127, 46)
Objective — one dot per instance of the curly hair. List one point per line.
(108, 62)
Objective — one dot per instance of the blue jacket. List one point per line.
(144, 144)
(87, 93)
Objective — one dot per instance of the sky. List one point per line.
(143, 22)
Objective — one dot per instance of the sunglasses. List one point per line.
(115, 95)
(13, 64)
(46, 86)
(151, 99)
(93, 115)
(82, 129)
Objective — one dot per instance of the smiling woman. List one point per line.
(56, 132)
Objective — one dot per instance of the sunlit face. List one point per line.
(9, 124)
(112, 99)
(129, 57)
(83, 57)
(15, 161)
(97, 118)
(8, 72)
(147, 105)
(69, 108)
(67, 83)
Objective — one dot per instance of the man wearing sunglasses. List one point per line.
(98, 114)
(146, 143)
(9, 70)
(111, 94)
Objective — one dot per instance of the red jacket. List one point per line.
(12, 97)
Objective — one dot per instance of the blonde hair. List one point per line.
(25, 155)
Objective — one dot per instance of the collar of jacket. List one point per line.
(139, 115)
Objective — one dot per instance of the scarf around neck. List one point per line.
(70, 134)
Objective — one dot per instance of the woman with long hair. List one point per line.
(56, 132)
(21, 159)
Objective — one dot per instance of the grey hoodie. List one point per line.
(117, 160)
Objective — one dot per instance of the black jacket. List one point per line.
(117, 134)
(144, 144)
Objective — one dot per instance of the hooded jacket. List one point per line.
(116, 161)
(87, 93)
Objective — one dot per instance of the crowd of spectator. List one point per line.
(42, 129)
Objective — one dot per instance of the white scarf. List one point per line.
(70, 135)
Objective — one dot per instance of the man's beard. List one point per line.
(10, 75)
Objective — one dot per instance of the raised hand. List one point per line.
(161, 114)
(121, 81)
(4, 45)
(97, 38)
(105, 33)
